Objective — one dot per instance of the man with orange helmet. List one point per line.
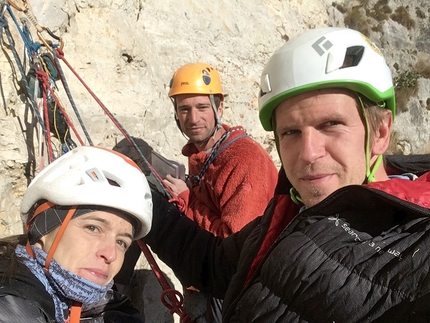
(231, 177)
(223, 191)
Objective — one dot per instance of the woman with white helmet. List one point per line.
(81, 212)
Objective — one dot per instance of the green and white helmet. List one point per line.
(329, 57)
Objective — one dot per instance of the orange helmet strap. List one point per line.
(75, 312)
(58, 237)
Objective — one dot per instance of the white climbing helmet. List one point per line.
(90, 175)
(329, 57)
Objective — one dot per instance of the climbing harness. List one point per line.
(41, 88)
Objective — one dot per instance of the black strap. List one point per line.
(416, 164)
(214, 153)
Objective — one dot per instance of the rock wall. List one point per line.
(126, 51)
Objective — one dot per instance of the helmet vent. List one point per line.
(353, 56)
(95, 174)
(265, 85)
(113, 183)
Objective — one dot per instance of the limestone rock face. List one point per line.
(126, 51)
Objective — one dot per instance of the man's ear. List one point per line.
(221, 108)
(382, 135)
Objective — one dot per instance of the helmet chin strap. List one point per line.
(218, 123)
(217, 117)
(76, 308)
(58, 236)
(295, 196)
(370, 170)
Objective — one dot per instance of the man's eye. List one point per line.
(332, 123)
(288, 133)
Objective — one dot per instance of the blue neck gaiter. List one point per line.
(63, 286)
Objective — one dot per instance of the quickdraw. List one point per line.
(40, 83)
(27, 10)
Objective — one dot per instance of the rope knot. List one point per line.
(60, 53)
(174, 301)
(42, 76)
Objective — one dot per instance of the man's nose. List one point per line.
(193, 115)
(313, 145)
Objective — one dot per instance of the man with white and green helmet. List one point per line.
(342, 240)
(314, 74)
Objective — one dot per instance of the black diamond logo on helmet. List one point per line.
(322, 45)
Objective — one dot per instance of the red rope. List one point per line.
(60, 55)
(170, 298)
(66, 116)
(43, 77)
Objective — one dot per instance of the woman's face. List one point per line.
(92, 246)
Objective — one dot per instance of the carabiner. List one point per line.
(13, 4)
(48, 44)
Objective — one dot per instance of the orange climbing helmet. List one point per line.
(195, 78)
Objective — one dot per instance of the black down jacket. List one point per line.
(361, 255)
(25, 293)
(23, 298)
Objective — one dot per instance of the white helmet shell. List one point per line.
(84, 176)
(329, 57)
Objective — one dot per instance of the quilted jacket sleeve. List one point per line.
(194, 254)
(17, 309)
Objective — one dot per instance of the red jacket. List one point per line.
(236, 187)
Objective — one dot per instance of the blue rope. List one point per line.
(24, 79)
(32, 47)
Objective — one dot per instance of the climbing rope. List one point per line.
(23, 76)
(209, 160)
(171, 298)
(69, 95)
